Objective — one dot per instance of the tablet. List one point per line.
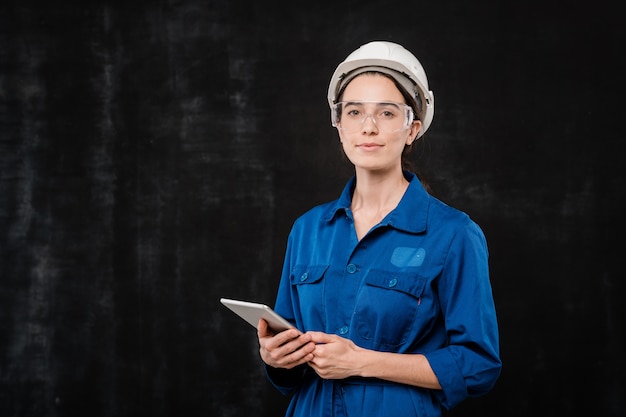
(252, 312)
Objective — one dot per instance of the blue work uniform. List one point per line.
(418, 282)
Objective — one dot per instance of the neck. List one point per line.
(378, 192)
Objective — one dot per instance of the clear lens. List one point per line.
(388, 117)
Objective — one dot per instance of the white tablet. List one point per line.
(252, 312)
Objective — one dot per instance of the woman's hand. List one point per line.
(286, 349)
(334, 357)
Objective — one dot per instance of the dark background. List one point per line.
(153, 156)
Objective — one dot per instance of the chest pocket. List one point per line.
(307, 280)
(387, 308)
(308, 285)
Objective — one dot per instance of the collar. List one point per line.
(410, 215)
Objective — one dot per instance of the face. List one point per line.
(370, 148)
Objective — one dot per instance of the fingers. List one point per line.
(263, 329)
(335, 357)
(290, 354)
(322, 338)
(286, 349)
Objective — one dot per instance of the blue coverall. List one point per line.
(418, 282)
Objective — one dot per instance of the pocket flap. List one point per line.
(307, 274)
(407, 282)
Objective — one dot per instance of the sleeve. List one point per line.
(286, 380)
(470, 363)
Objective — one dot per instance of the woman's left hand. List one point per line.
(335, 357)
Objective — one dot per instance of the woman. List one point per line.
(388, 285)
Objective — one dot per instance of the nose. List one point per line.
(368, 124)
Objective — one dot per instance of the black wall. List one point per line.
(154, 155)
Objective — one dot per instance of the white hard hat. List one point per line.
(394, 60)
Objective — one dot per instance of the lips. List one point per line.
(369, 146)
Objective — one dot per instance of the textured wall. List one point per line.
(153, 157)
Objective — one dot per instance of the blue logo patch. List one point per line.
(403, 257)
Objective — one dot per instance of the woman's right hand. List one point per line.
(286, 349)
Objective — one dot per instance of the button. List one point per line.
(304, 276)
(343, 330)
(393, 282)
(351, 269)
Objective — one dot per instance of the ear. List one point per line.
(415, 128)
